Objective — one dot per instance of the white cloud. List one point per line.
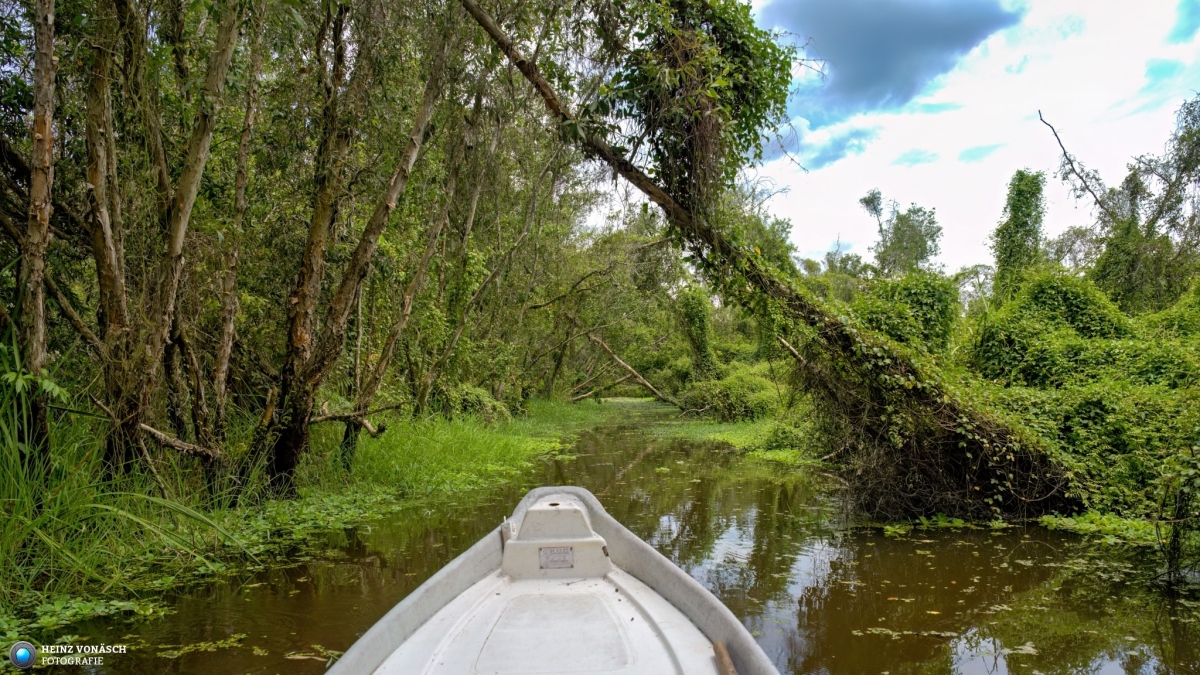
(1083, 63)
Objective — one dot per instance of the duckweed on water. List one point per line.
(234, 640)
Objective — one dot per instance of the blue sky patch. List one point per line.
(1159, 71)
(978, 153)
(1187, 22)
(916, 156)
(932, 108)
(839, 146)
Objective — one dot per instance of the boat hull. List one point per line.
(552, 618)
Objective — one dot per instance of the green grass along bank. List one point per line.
(95, 550)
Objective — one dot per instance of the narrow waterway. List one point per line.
(820, 597)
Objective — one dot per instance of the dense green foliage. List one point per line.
(1095, 362)
(698, 83)
(281, 228)
(1017, 241)
(1041, 337)
(919, 308)
(744, 394)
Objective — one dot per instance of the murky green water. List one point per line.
(819, 597)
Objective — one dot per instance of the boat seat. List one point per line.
(556, 541)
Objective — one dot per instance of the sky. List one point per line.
(935, 102)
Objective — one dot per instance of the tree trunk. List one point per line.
(202, 419)
(104, 224)
(306, 367)
(229, 300)
(134, 369)
(179, 212)
(201, 416)
(31, 318)
(114, 310)
(336, 133)
(558, 360)
(175, 30)
(287, 437)
(333, 333)
(176, 388)
(366, 392)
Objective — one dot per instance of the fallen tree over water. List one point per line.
(919, 446)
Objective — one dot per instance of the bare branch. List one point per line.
(610, 385)
(359, 416)
(791, 349)
(1069, 160)
(73, 317)
(182, 446)
(633, 373)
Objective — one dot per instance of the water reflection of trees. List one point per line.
(760, 538)
(738, 527)
(1097, 607)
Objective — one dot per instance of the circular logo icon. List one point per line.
(23, 655)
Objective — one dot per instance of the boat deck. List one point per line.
(501, 626)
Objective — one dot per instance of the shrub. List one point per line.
(788, 435)
(1113, 435)
(1182, 320)
(741, 396)
(465, 399)
(917, 309)
(1056, 326)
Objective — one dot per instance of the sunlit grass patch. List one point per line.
(435, 456)
(741, 435)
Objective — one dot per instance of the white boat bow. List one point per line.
(559, 588)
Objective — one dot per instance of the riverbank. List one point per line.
(775, 441)
(765, 539)
(156, 550)
(100, 550)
